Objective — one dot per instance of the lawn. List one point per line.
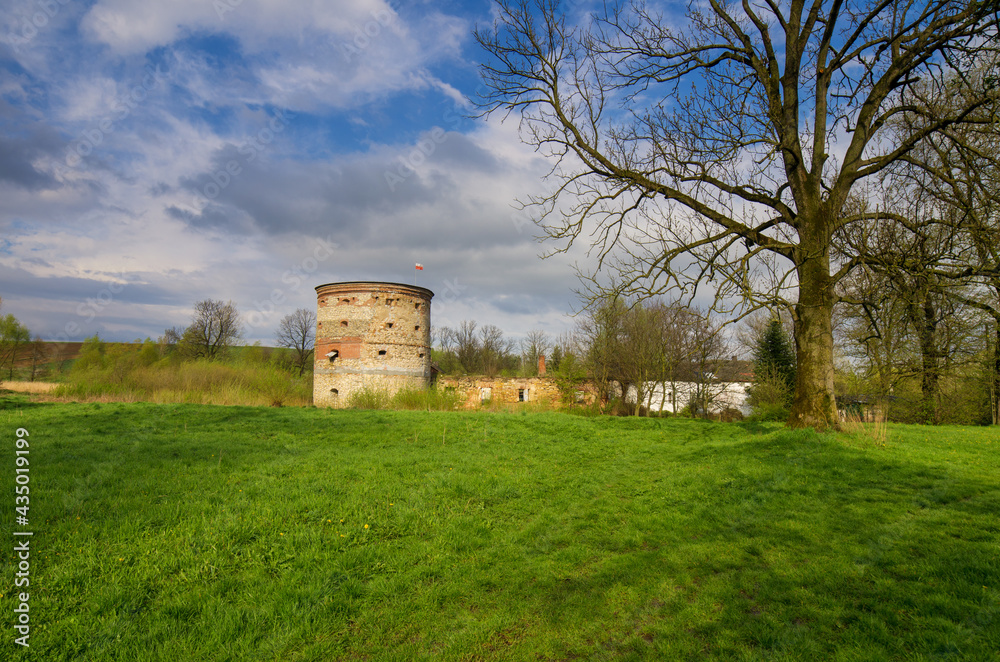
(190, 532)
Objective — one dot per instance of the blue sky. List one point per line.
(156, 154)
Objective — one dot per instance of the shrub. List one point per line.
(429, 399)
(369, 397)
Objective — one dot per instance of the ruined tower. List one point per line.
(370, 334)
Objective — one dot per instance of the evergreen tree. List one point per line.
(774, 355)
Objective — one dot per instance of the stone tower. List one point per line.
(370, 334)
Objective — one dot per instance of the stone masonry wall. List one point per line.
(370, 334)
(472, 391)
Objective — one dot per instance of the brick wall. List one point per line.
(370, 334)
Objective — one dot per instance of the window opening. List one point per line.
(381, 352)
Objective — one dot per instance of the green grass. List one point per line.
(190, 532)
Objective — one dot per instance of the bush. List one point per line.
(369, 397)
(769, 412)
(769, 397)
(429, 399)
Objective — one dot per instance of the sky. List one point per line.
(153, 155)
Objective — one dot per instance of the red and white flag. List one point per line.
(420, 267)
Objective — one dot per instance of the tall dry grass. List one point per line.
(28, 387)
(868, 424)
(190, 382)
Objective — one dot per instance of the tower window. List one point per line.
(343, 323)
(381, 352)
(416, 328)
(388, 325)
(345, 300)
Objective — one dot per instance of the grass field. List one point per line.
(189, 532)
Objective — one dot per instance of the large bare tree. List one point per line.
(720, 146)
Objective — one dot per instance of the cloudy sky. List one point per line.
(156, 154)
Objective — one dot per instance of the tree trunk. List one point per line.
(995, 378)
(930, 369)
(815, 403)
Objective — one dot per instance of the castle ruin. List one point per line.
(370, 334)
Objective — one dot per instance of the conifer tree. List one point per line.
(774, 355)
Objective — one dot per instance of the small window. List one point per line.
(416, 306)
(388, 325)
(381, 352)
(522, 395)
(343, 323)
(333, 355)
(389, 302)
(416, 328)
(334, 391)
(485, 393)
(345, 300)
(420, 355)
(319, 325)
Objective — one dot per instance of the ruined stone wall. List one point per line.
(472, 390)
(370, 334)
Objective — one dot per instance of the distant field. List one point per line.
(188, 532)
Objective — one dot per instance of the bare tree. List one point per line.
(722, 147)
(467, 347)
(708, 353)
(39, 353)
(494, 350)
(215, 326)
(297, 331)
(536, 343)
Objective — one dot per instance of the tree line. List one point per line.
(763, 150)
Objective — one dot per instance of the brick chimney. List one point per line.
(541, 365)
